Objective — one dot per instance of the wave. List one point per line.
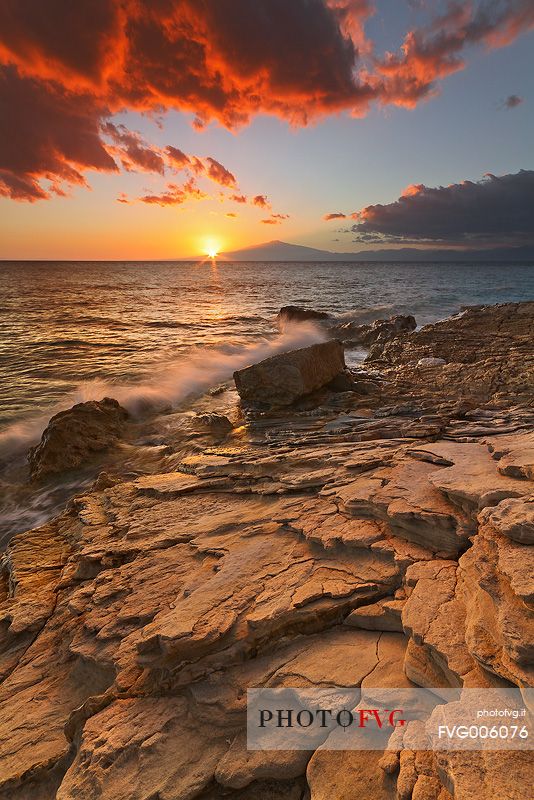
(169, 324)
(367, 314)
(170, 384)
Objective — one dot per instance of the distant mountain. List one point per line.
(283, 251)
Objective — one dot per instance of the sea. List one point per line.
(155, 335)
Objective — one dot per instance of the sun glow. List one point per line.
(212, 248)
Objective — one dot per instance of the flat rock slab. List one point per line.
(472, 480)
(405, 496)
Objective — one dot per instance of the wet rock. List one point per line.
(216, 390)
(282, 379)
(299, 314)
(382, 330)
(218, 425)
(344, 382)
(73, 437)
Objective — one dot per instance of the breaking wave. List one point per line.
(170, 383)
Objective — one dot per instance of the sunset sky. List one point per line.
(137, 130)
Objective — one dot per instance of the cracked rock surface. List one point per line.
(377, 539)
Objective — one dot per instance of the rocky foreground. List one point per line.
(377, 532)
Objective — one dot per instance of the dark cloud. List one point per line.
(51, 137)
(512, 101)
(74, 43)
(46, 138)
(495, 211)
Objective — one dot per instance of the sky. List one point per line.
(174, 128)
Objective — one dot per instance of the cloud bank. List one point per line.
(495, 211)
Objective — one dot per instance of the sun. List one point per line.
(212, 248)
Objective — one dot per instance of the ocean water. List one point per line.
(153, 335)
(69, 330)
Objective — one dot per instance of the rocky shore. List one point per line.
(365, 528)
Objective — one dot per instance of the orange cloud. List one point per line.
(134, 153)
(334, 215)
(177, 158)
(413, 188)
(275, 219)
(261, 201)
(46, 139)
(437, 51)
(66, 68)
(220, 174)
(175, 195)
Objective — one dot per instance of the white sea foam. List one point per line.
(170, 384)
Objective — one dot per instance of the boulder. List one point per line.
(282, 379)
(74, 436)
(218, 425)
(299, 314)
(382, 330)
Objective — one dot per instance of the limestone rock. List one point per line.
(347, 775)
(239, 767)
(141, 748)
(405, 496)
(132, 625)
(282, 379)
(497, 589)
(515, 455)
(382, 616)
(515, 518)
(488, 350)
(475, 775)
(73, 437)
